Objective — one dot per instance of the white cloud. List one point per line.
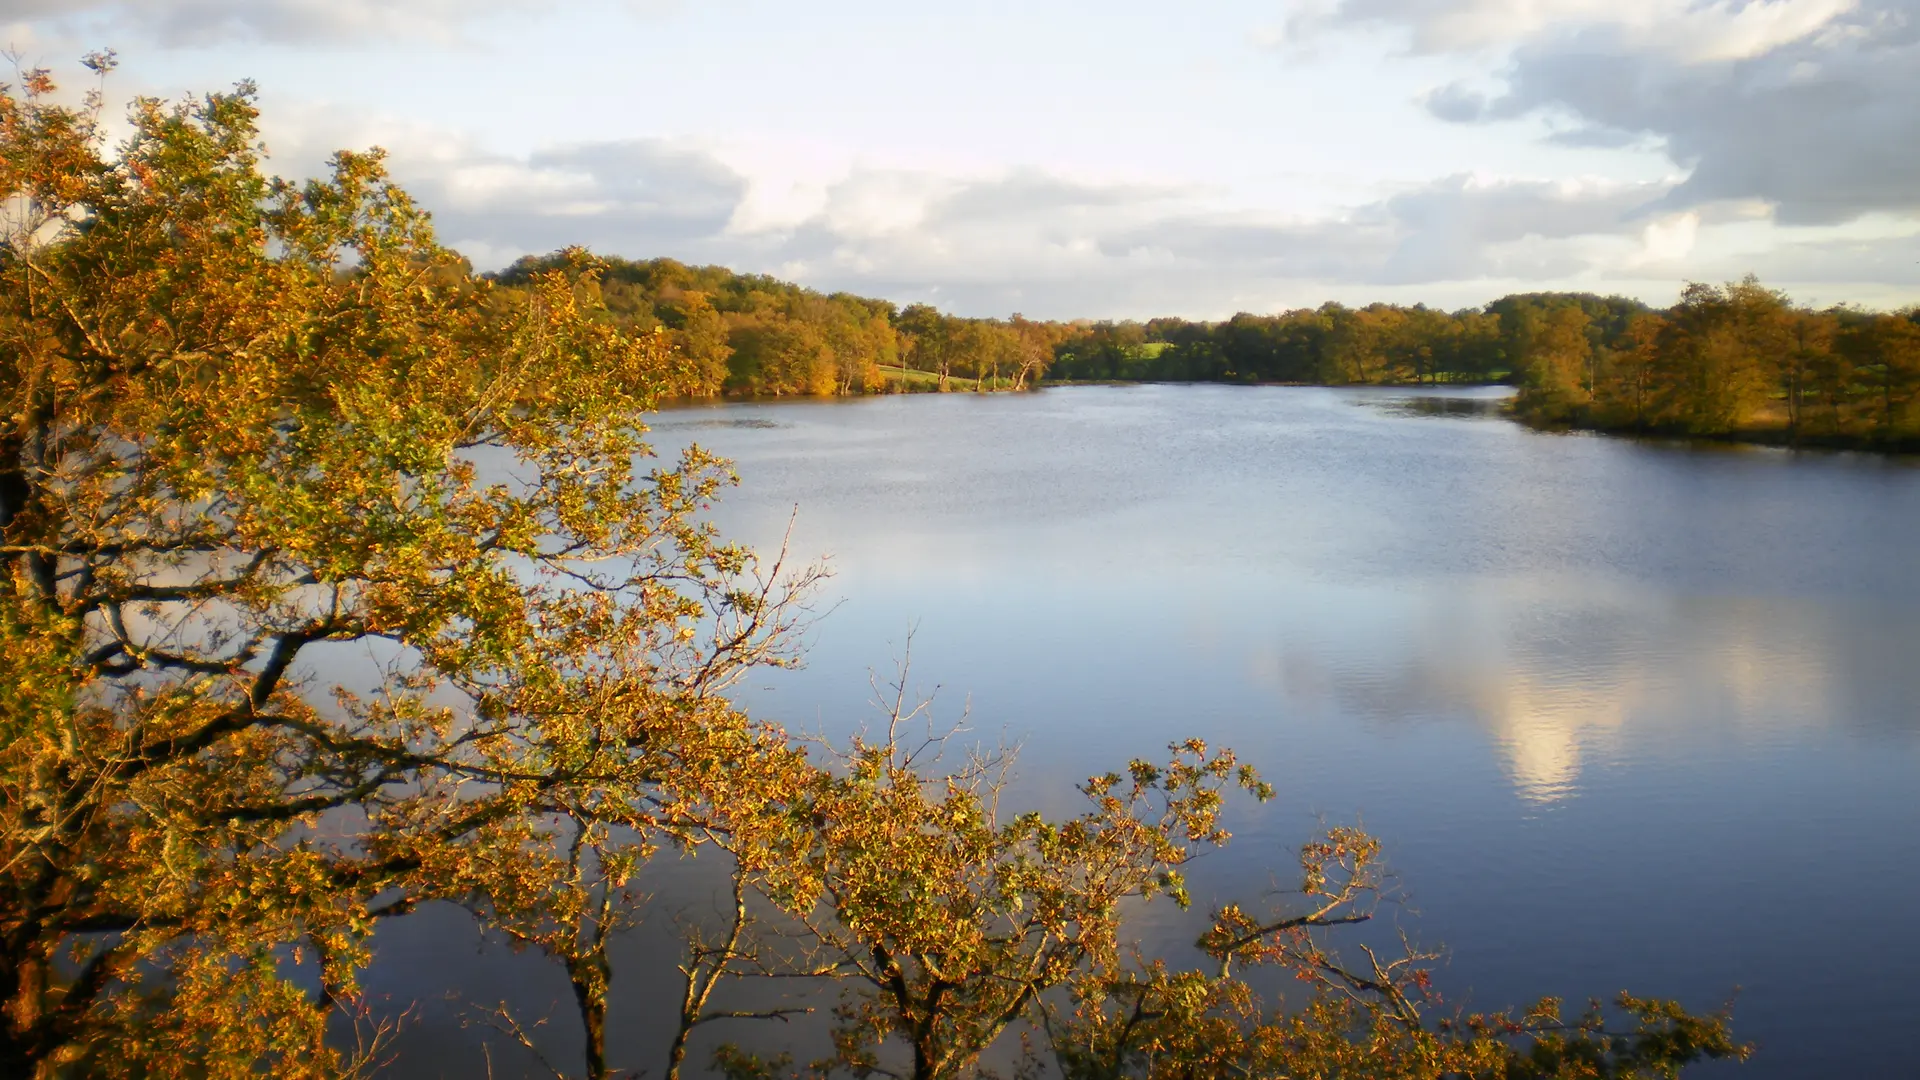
(991, 243)
(1691, 32)
(1056, 246)
(1668, 240)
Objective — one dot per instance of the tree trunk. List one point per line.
(22, 1052)
(589, 975)
(923, 1057)
(677, 1054)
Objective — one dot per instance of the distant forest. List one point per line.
(1739, 361)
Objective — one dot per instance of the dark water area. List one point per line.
(1626, 716)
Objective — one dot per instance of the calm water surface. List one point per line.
(1625, 715)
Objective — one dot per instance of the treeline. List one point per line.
(1740, 360)
(1736, 361)
(753, 334)
(1329, 345)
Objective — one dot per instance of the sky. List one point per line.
(1108, 160)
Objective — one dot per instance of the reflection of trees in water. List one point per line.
(1440, 405)
(1558, 678)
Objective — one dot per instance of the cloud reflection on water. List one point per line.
(1562, 678)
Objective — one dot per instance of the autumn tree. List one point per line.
(777, 355)
(251, 427)
(1628, 371)
(953, 924)
(862, 342)
(700, 335)
(932, 340)
(1555, 367)
(1721, 346)
(1883, 358)
(1033, 348)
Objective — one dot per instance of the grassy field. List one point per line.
(916, 381)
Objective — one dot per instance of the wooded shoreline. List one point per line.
(1739, 362)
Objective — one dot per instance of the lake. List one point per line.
(1625, 715)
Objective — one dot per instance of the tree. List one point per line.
(931, 340)
(1555, 362)
(861, 342)
(1034, 343)
(1624, 393)
(247, 422)
(701, 337)
(1812, 335)
(1884, 354)
(1720, 349)
(953, 925)
(773, 354)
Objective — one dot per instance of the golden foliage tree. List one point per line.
(248, 426)
(1556, 367)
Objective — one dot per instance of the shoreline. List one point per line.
(1773, 438)
(1769, 438)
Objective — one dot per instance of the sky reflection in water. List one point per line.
(1625, 715)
